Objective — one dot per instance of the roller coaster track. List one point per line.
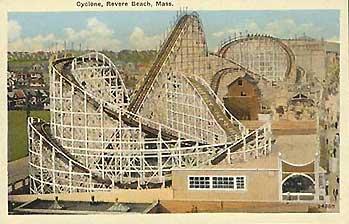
(220, 156)
(216, 111)
(160, 147)
(237, 67)
(63, 65)
(231, 129)
(291, 58)
(218, 76)
(64, 155)
(214, 108)
(144, 89)
(128, 120)
(102, 62)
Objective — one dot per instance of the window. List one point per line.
(217, 182)
(240, 183)
(199, 182)
(240, 82)
(223, 182)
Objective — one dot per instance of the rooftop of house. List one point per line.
(19, 94)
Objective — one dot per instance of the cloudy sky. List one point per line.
(145, 30)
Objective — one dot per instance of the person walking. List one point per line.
(336, 193)
(327, 186)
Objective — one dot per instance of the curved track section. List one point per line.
(265, 55)
(215, 82)
(96, 73)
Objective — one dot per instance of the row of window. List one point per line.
(217, 182)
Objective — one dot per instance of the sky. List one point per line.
(145, 29)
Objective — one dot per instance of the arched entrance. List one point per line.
(301, 182)
(298, 183)
(298, 187)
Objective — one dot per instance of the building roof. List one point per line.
(332, 47)
(19, 94)
(300, 97)
(39, 206)
(246, 77)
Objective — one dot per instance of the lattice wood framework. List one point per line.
(99, 139)
(265, 55)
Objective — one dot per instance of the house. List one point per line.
(21, 81)
(36, 75)
(19, 98)
(301, 98)
(36, 83)
(242, 98)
